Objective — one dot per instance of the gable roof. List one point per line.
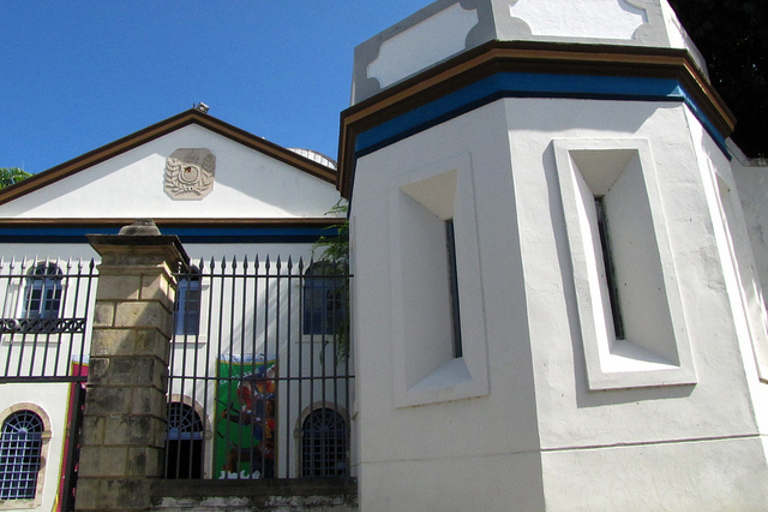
(155, 131)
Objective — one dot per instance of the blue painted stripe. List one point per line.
(528, 85)
(218, 235)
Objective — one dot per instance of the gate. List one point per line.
(260, 375)
(45, 328)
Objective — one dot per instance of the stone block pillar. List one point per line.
(125, 411)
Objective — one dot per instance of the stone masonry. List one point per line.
(124, 426)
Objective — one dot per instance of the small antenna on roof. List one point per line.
(202, 107)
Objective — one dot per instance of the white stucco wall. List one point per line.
(248, 184)
(752, 185)
(446, 28)
(444, 455)
(575, 421)
(539, 417)
(51, 400)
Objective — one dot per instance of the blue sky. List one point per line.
(79, 74)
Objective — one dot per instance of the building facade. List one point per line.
(546, 210)
(558, 261)
(251, 306)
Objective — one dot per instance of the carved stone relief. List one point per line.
(189, 173)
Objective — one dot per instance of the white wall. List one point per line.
(51, 400)
(445, 455)
(575, 422)
(752, 184)
(540, 416)
(446, 28)
(248, 184)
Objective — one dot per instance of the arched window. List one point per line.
(187, 309)
(42, 295)
(184, 442)
(324, 444)
(21, 444)
(324, 299)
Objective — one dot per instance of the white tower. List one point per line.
(549, 303)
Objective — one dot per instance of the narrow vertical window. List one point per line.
(610, 271)
(453, 283)
(21, 444)
(187, 308)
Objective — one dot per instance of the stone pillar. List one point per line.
(125, 411)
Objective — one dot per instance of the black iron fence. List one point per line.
(44, 331)
(260, 380)
(45, 308)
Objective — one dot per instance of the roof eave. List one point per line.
(155, 131)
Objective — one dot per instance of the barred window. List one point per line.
(184, 442)
(324, 444)
(21, 443)
(42, 294)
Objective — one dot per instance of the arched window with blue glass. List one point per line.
(324, 444)
(187, 308)
(21, 443)
(43, 290)
(325, 299)
(184, 442)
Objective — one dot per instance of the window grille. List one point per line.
(21, 443)
(184, 442)
(42, 296)
(324, 444)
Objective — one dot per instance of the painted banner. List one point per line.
(75, 404)
(245, 417)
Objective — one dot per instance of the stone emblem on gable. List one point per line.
(189, 173)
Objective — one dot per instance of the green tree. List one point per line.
(733, 37)
(12, 175)
(334, 250)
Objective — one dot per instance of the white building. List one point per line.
(558, 256)
(556, 303)
(237, 202)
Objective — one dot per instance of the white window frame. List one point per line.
(16, 300)
(425, 367)
(202, 323)
(656, 350)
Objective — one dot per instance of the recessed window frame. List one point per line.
(611, 362)
(426, 369)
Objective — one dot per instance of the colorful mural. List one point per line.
(245, 418)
